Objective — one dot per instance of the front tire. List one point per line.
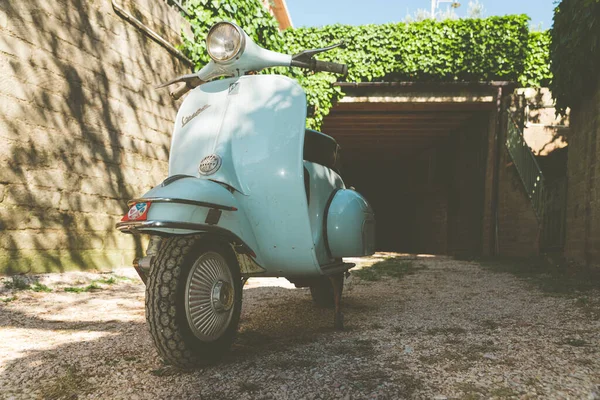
(193, 300)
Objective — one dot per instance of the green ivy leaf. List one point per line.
(495, 48)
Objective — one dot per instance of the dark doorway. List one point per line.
(422, 171)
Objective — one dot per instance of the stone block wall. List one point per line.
(583, 196)
(544, 131)
(82, 129)
(518, 227)
(518, 231)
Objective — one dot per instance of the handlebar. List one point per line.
(258, 60)
(180, 91)
(305, 59)
(190, 81)
(332, 67)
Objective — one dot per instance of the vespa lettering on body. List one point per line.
(187, 119)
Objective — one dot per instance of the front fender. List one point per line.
(184, 205)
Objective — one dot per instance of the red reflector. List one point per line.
(137, 212)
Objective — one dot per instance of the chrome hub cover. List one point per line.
(222, 296)
(209, 296)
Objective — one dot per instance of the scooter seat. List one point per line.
(322, 149)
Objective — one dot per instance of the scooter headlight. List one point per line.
(225, 41)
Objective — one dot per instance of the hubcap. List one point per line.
(209, 296)
(222, 296)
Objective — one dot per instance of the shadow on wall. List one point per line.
(81, 131)
(544, 131)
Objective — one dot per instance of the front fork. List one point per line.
(142, 264)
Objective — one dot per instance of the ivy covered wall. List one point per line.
(495, 48)
(575, 51)
(575, 54)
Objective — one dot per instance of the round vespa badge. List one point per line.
(209, 164)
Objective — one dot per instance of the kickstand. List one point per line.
(337, 281)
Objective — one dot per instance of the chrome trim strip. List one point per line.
(180, 201)
(135, 226)
(174, 178)
(327, 205)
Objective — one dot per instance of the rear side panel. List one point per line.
(322, 183)
(350, 225)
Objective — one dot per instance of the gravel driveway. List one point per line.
(441, 329)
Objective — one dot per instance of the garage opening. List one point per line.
(419, 154)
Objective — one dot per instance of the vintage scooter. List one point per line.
(250, 192)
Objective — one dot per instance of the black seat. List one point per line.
(322, 149)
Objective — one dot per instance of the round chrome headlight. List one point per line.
(225, 41)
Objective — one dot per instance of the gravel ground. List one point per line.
(451, 329)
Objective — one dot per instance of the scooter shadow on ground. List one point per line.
(21, 320)
(289, 319)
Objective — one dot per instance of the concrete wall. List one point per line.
(81, 128)
(583, 196)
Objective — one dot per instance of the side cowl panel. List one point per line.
(350, 225)
(323, 182)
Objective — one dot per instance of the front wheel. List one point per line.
(193, 300)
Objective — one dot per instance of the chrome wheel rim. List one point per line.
(209, 296)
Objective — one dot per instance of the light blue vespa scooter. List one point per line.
(250, 192)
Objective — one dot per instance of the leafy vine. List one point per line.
(575, 51)
(495, 48)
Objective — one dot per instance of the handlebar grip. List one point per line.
(180, 91)
(327, 66)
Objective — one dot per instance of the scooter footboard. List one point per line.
(189, 205)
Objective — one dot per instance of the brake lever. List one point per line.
(306, 55)
(191, 81)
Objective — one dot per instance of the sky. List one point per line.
(355, 12)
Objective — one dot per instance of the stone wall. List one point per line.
(81, 128)
(544, 131)
(519, 231)
(517, 225)
(518, 228)
(583, 196)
